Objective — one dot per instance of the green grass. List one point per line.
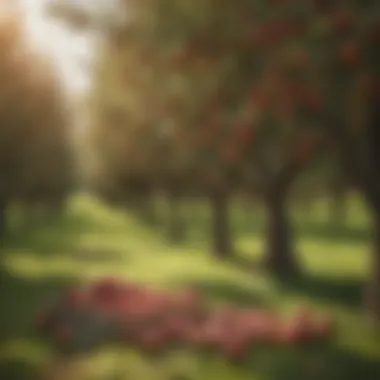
(93, 241)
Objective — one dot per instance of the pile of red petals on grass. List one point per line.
(110, 311)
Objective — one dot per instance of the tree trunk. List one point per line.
(222, 243)
(281, 258)
(372, 296)
(176, 228)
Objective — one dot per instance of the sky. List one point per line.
(72, 51)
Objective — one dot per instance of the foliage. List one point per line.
(234, 90)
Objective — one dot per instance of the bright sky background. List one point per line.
(72, 50)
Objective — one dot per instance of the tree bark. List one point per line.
(176, 227)
(222, 242)
(281, 258)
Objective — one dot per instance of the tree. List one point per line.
(35, 147)
(211, 98)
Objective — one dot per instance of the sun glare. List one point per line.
(71, 51)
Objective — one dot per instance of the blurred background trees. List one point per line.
(242, 97)
(215, 100)
(229, 146)
(36, 165)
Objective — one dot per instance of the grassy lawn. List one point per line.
(94, 241)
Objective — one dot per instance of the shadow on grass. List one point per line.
(314, 363)
(61, 237)
(347, 292)
(327, 362)
(20, 300)
(226, 292)
(19, 369)
(197, 220)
